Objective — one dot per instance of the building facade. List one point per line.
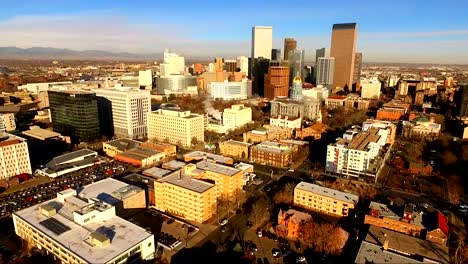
(324, 200)
(324, 70)
(236, 149)
(357, 69)
(370, 88)
(296, 89)
(284, 121)
(237, 116)
(145, 79)
(272, 154)
(75, 114)
(290, 223)
(8, 121)
(175, 127)
(177, 84)
(277, 82)
(14, 156)
(242, 63)
(290, 44)
(343, 49)
(231, 90)
(173, 64)
(262, 42)
(130, 108)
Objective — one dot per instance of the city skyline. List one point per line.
(150, 28)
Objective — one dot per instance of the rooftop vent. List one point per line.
(100, 240)
(48, 210)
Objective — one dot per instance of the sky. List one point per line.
(388, 31)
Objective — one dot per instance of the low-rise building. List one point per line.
(76, 229)
(309, 108)
(145, 183)
(324, 200)
(173, 165)
(114, 147)
(290, 222)
(168, 149)
(201, 155)
(69, 162)
(228, 180)
(273, 154)
(370, 88)
(286, 122)
(316, 130)
(393, 110)
(267, 133)
(235, 149)
(437, 228)
(400, 219)
(156, 173)
(236, 116)
(421, 127)
(335, 101)
(141, 157)
(237, 90)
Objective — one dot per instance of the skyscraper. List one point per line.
(290, 44)
(219, 64)
(277, 82)
(296, 89)
(262, 42)
(276, 54)
(173, 64)
(357, 69)
(243, 64)
(343, 49)
(324, 70)
(230, 65)
(259, 70)
(296, 63)
(75, 113)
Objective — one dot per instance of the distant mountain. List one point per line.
(40, 53)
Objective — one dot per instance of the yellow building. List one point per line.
(14, 156)
(267, 132)
(236, 149)
(175, 127)
(228, 180)
(324, 200)
(180, 194)
(114, 147)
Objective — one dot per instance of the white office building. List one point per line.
(8, 121)
(325, 68)
(286, 122)
(320, 93)
(130, 108)
(243, 64)
(262, 42)
(237, 116)
(173, 64)
(77, 229)
(370, 88)
(14, 155)
(231, 90)
(145, 78)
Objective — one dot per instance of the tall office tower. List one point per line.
(276, 54)
(145, 79)
(173, 64)
(211, 67)
(357, 70)
(14, 156)
(230, 65)
(198, 68)
(290, 44)
(75, 114)
(243, 64)
(259, 70)
(219, 64)
(296, 89)
(343, 49)
(296, 63)
(277, 82)
(175, 126)
(323, 52)
(324, 70)
(262, 42)
(129, 110)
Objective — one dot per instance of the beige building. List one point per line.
(228, 180)
(180, 194)
(273, 154)
(267, 132)
(14, 156)
(9, 121)
(114, 147)
(236, 149)
(175, 127)
(236, 116)
(324, 200)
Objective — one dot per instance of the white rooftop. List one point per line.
(179, 178)
(109, 190)
(199, 155)
(217, 168)
(332, 193)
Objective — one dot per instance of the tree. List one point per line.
(171, 97)
(323, 237)
(260, 211)
(286, 195)
(243, 155)
(194, 141)
(461, 253)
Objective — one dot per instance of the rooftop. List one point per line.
(76, 238)
(156, 172)
(123, 144)
(109, 190)
(344, 26)
(173, 165)
(72, 155)
(371, 253)
(217, 168)
(235, 142)
(179, 178)
(384, 210)
(39, 133)
(341, 196)
(273, 147)
(199, 155)
(410, 245)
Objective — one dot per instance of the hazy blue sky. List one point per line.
(388, 31)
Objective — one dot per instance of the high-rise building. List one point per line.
(323, 52)
(231, 90)
(357, 69)
(262, 42)
(276, 54)
(277, 82)
(75, 114)
(175, 126)
(230, 65)
(243, 64)
(219, 64)
(343, 49)
(145, 79)
(259, 69)
(14, 156)
(8, 120)
(324, 70)
(197, 68)
(296, 63)
(129, 110)
(296, 89)
(290, 45)
(173, 64)
(176, 84)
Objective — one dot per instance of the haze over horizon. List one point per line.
(389, 32)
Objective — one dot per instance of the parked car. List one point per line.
(300, 259)
(276, 253)
(224, 229)
(224, 222)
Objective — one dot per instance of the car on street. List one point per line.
(276, 253)
(300, 259)
(224, 229)
(224, 222)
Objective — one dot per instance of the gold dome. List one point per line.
(297, 80)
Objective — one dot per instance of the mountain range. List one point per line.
(45, 53)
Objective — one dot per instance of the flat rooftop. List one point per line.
(385, 210)
(199, 155)
(39, 133)
(179, 178)
(371, 253)
(123, 144)
(109, 190)
(217, 168)
(237, 143)
(11, 140)
(273, 147)
(408, 244)
(123, 234)
(173, 165)
(156, 172)
(332, 193)
(73, 155)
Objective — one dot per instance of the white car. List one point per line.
(300, 259)
(224, 222)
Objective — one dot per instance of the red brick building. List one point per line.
(276, 82)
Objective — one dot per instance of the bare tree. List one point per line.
(461, 253)
(260, 211)
(286, 195)
(323, 237)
